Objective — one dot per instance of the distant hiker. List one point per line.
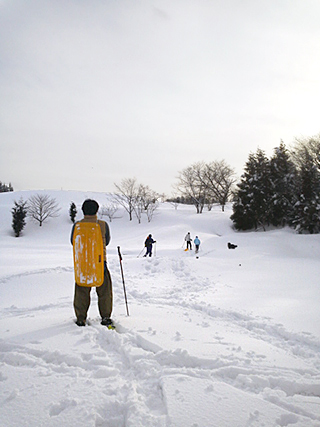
(81, 300)
(197, 243)
(188, 240)
(148, 244)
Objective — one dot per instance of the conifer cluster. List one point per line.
(282, 190)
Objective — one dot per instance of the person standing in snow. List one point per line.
(148, 244)
(81, 300)
(188, 240)
(197, 244)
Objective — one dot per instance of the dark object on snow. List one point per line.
(232, 246)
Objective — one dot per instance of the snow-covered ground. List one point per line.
(231, 339)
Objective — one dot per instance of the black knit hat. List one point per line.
(90, 207)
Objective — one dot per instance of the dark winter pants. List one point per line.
(149, 250)
(81, 300)
(189, 244)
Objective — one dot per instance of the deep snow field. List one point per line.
(231, 339)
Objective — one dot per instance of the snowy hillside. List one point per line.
(231, 339)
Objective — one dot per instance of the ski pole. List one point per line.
(155, 248)
(140, 252)
(124, 286)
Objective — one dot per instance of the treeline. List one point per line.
(277, 191)
(4, 188)
(281, 190)
(136, 199)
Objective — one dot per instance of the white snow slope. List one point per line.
(229, 339)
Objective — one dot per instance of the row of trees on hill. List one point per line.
(281, 190)
(277, 191)
(4, 188)
(135, 198)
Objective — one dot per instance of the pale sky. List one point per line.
(94, 91)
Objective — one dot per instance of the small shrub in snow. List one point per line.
(73, 212)
(19, 213)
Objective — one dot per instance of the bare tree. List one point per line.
(192, 186)
(136, 198)
(206, 183)
(109, 210)
(175, 204)
(41, 207)
(147, 196)
(138, 207)
(127, 196)
(152, 207)
(218, 178)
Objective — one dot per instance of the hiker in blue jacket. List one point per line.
(197, 243)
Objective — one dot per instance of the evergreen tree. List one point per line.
(306, 211)
(251, 208)
(73, 212)
(283, 178)
(284, 190)
(19, 213)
